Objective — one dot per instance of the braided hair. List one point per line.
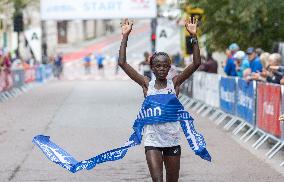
(156, 54)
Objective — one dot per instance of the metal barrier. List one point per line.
(20, 80)
(248, 107)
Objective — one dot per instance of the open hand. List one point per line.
(126, 27)
(191, 26)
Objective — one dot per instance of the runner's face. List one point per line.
(161, 67)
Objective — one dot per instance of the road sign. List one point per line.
(33, 37)
(167, 37)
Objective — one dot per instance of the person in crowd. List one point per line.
(230, 66)
(100, 62)
(58, 65)
(145, 65)
(273, 72)
(87, 64)
(258, 51)
(1, 59)
(6, 68)
(255, 64)
(210, 65)
(242, 64)
(264, 59)
(177, 59)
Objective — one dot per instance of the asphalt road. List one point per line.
(90, 117)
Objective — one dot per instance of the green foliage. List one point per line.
(249, 23)
(19, 5)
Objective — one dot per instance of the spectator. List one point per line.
(230, 67)
(177, 59)
(6, 68)
(1, 59)
(273, 73)
(258, 51)
(145, 65)
(87, 64)
(279, 69)
(264, 59)
(210, 65)
(275, 76)
(100, 62)
(6, 63)
(58, 65)
(255, 64)
(241, 62)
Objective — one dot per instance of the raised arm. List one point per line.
(191, 27)
(126, 27)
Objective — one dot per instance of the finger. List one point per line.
(126, 21)
(196, 21)
(189, 20)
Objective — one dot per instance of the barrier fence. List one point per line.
(17, 78)
(253, 108)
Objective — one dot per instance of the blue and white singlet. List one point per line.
(165, 134)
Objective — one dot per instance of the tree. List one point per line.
(248, 23)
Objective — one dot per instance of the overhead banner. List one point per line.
(246, 100)
(97, 9)
(268, 108)
(228, 94)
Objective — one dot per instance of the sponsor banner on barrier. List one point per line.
(18, 76)
(246, 100)
(211, 87)
(268, 108)
(40, 74)
(199, 91)
(30, 75)
(48, 70)
(228, 94)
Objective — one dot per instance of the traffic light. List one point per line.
(18, 22)
(153, 42)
